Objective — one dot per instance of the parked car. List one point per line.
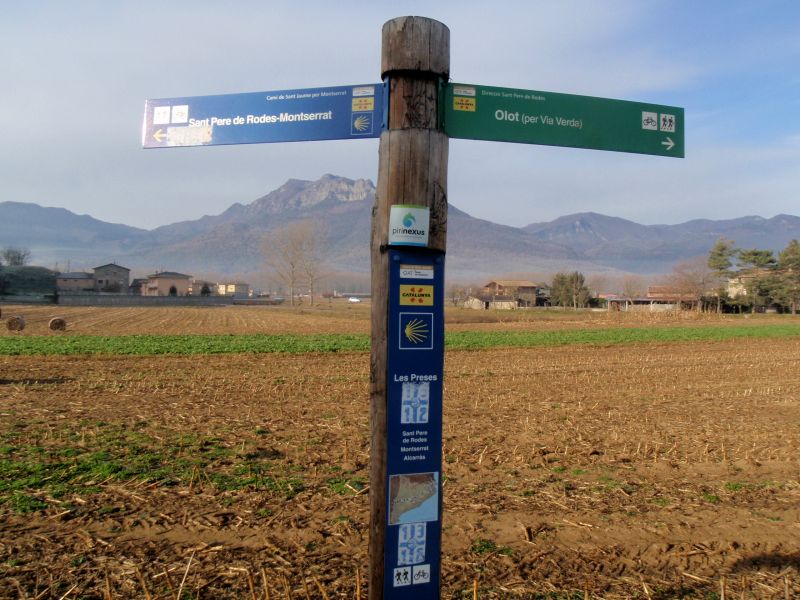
(353, 300)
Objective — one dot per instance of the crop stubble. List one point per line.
(633, 471)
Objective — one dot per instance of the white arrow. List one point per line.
(668, 143)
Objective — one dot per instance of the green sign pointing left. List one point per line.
(530, 117)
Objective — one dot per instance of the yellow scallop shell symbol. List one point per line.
(360, 123)
(416, 331)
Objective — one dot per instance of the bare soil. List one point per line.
(642, 471)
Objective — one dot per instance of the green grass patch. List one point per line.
(79, 464)
(185, 345)
(151, 345)
(735, 486)
(484, 546)
(344, 485)
(469, 340)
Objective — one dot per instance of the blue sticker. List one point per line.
(411, 543)
(416, 331)
(415, 402)
(415, 364)
(362, 123)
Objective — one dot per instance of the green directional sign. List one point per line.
(479, 112)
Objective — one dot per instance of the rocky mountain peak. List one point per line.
(297, 194)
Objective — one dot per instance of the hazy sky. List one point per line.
(75, 76)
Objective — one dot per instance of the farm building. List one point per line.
(526, 293)
(236, 289)
(737, 286)
(167, 283)
(489, 302)
(77, 281)
(137, 287)
(112, 278)
(658, 298)
(510, 286)
(201, 287)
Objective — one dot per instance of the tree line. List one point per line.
(762, 279)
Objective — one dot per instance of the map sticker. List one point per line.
(413, 498)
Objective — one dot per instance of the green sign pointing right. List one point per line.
(481, 112)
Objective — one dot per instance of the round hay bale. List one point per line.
(15, 323)
(57, 324)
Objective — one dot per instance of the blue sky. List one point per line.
(76, 75)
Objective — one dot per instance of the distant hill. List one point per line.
(628, 246)
(231, 241)
(56, 234)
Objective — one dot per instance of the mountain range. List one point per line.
(230, 243)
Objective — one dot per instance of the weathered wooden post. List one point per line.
(409, 227)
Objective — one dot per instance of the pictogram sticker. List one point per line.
(401, 577)
(421, 574)
(666, 123)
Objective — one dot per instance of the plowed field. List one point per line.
(577, 471)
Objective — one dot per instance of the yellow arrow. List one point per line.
(159, 135)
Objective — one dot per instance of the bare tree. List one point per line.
(313, 258)
(634, 286)
(457, 294)
(293, 255)
(597, 283)
(16, 257)
(691, 279)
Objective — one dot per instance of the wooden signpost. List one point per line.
(412, 172)
(414, 111)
